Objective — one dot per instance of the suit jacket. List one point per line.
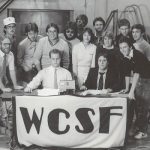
(111, 80)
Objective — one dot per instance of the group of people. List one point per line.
(95, 60)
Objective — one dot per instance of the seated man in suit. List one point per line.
(102, 79)
(51, 76)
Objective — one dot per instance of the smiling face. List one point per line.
(69, 33)
(98, 26)
(102, 63)
(10, 29)
(5, 45)
(137, 34)
(52, 33)
(124, 49)
(86, 37)
(32, 35)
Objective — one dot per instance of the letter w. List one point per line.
(28, 122)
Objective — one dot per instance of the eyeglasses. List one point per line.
(69, 31)
(11, 27)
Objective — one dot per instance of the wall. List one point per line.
(143, 5)
(93, 8)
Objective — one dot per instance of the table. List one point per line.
(9, 96)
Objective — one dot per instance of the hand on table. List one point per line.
(83, 88)
(6, 89)
(124, 91)
(18, 87)
(131, 96)
(28, 90)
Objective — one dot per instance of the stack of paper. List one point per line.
(48, 92)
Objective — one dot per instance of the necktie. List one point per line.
(55, 79)
(3, 73)
(100, 87)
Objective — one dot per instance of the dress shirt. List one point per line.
(43, 49)
(46, 77)
(26, 49)
(104, 77)
(9, 60)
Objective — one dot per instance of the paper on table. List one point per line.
(48, 92)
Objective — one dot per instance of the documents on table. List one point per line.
(48, 92)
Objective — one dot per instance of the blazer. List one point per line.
(111, 80)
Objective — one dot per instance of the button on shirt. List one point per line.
(9, 60)
(46, 77)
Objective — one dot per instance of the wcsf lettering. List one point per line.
(81, 114)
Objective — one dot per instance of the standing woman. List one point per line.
(83, 56)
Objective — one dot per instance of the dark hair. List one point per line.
(73, 26)
(55, 51)
(104, 54)
(84, 18)
(89, 30)
(31, 27)
(52, 25)
(98, 19)
(124, 39)
(138, 26)
(123, 22)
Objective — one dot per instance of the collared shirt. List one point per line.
(43, 49)
(104, 77)
(26, 49)
(138, 63)
(9, 60)
(46, 77)
(144, 47)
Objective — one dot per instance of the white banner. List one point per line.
(70, 121)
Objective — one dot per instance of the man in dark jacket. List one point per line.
(103, 77)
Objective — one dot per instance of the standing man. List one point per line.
(136, 62)
(51, 76)
(98, 25)
(7, 60)
(26, 50)
(46, 44)
(140, 44)
(9, 32)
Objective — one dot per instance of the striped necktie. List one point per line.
(100, 87)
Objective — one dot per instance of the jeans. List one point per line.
(142, 96)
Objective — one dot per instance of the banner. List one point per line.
(70, 121)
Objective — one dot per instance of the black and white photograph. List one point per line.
(74, 75)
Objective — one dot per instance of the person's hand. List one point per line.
(28, 90)
(25, 68)
(124, 91)
(18, 87)
(103, 91)
(131, 95)
(6, 89)
(85, 93)
(83, 88)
